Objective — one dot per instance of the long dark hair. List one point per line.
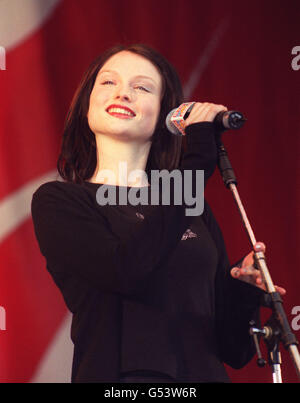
(78, 158)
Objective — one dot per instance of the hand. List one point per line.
(204, 112)
(250, 274)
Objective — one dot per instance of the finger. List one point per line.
(208, 111)
(248, 274)
(253, 276)
(198, 107)
(213, 110)
(195, 114)
(259, 247)
(259, 280)
(280, 290)
(197, 111)
(235, 272)
(250, 271)
(204, 112)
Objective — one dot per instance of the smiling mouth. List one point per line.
(120, 112)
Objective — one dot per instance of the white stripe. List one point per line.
(21, 18)
(204, 59)
(56, 364)
(16, 208)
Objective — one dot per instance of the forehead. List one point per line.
(131, 64)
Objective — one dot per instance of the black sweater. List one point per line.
(148, 286)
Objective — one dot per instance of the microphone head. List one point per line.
(175, 119)
(170, 125)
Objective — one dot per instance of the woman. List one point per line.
(149, 287)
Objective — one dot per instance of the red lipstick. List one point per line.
(120, 111)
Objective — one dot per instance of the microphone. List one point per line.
(229, 120)
(223, 121)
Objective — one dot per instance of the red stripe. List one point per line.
(34, 306)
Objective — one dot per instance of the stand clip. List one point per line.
(272, 336)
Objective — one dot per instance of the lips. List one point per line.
(120, 111)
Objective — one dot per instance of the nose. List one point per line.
(123, 93)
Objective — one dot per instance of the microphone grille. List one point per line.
(170, 126)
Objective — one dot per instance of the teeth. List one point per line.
(120, 110)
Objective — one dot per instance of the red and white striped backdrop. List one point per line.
(237, 54)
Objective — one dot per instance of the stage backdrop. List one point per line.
(240, 54)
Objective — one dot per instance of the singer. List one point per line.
(153, 296)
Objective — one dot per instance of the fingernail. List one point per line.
(236, 273)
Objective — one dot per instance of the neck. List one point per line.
(121, 160)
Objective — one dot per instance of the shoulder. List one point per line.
(59, 189)
(62, 194)
(55, 187)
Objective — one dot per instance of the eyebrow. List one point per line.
(135, 77)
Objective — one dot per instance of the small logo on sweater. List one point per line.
(140, 216)
(188, 234)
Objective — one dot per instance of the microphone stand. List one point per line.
(277, 329)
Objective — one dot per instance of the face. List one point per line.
(125, 100)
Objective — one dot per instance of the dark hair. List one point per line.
(78, 158)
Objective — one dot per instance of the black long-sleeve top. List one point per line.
(149, 287)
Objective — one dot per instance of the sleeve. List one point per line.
(237, 303)
(76, 239)
(201, 148)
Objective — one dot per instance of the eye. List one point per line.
(107, 82)
(141, 88)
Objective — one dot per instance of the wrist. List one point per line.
(200, 132)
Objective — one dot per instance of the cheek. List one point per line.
(151, 111)
(97, 100)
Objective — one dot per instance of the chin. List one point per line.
(129, 136)
(122, 131)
